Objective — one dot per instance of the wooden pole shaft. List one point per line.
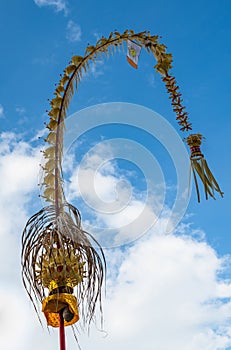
(61, 332)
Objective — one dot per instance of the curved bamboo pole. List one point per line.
(53, 190)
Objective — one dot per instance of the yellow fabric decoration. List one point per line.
(53, 304)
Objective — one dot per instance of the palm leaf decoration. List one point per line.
(201, 169)
(58, 257)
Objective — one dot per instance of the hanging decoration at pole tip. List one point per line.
(63, 266)
(200, 167)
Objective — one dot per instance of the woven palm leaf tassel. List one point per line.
(200, 168)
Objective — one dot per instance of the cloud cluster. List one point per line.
(18, 173)
(74, 32)
(59, 5)
(1, 111)
(118, 212)
(163, 292)
(20, 110)
(168, 295)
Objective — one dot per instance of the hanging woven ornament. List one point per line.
(62, 267)
(200, 167)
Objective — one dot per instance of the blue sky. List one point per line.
(38, 39)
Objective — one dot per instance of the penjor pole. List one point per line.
(59, 258)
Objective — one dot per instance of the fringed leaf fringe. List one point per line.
(42, 233)
(200, 168)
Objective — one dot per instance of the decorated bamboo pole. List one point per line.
(62, 265)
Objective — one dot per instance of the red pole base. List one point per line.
(61, 332)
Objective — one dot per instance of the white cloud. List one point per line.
(97, 35)
(12, 304)
(151, 78)
(168, 295)
(18, 174)
(111, 199)
(1, 111)
(60, 5)
(95, 70)
(74, 31)
(20, 110)
(18, 164)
